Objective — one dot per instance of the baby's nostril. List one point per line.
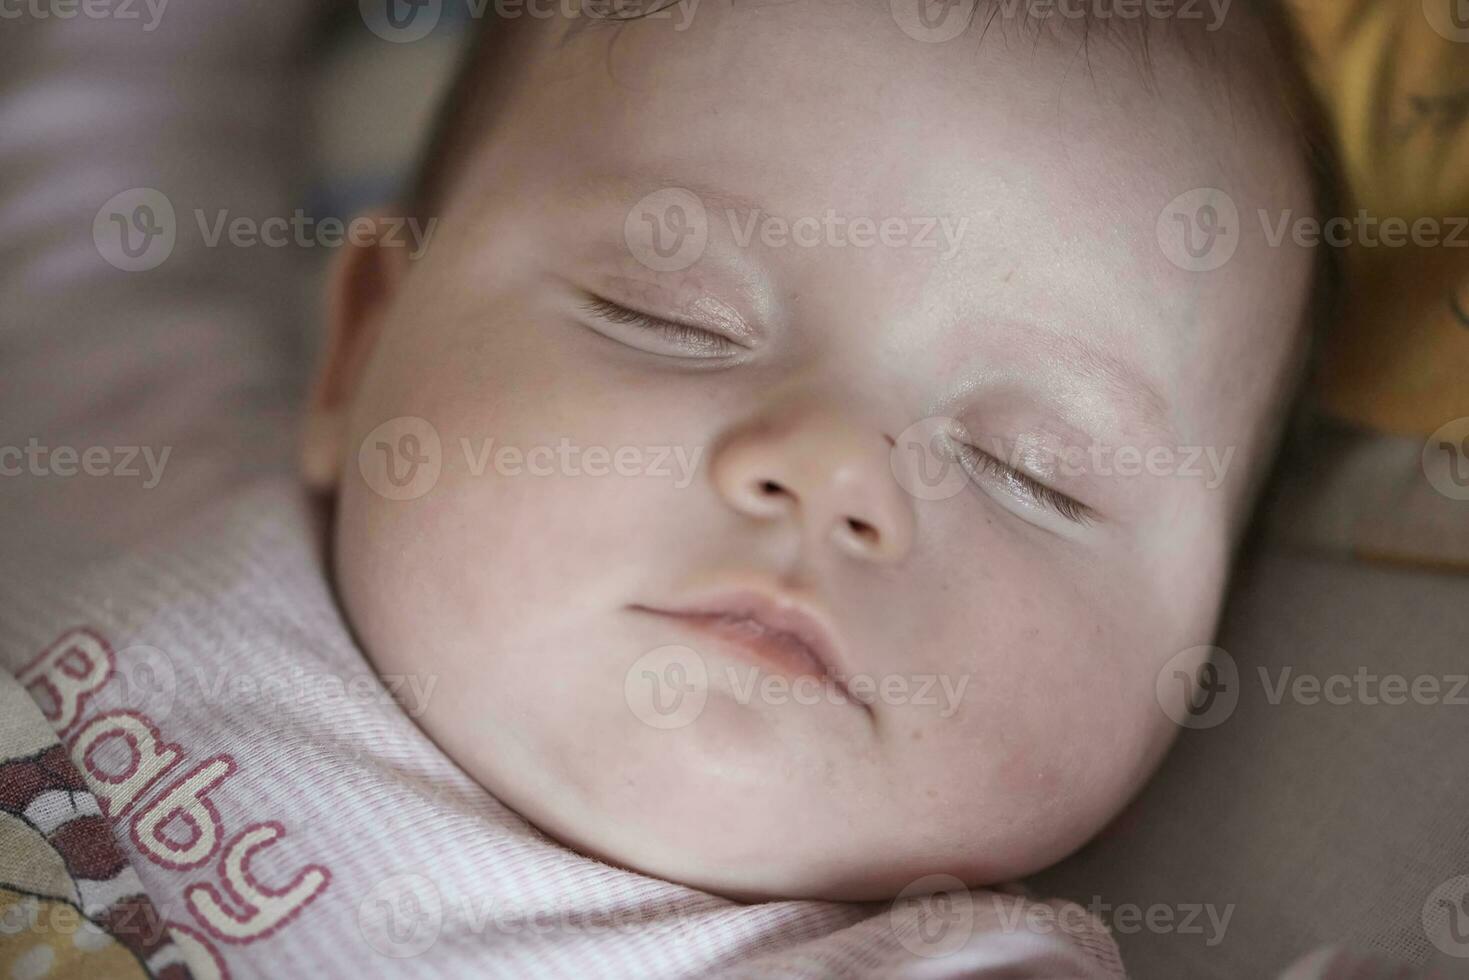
(770, 488)
(865, 532)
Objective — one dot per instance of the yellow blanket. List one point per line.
(1395, 78)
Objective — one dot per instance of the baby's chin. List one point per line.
(763, 849)
(727, 807)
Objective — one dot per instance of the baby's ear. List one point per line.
(364, 278)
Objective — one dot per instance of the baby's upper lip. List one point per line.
(776, 611)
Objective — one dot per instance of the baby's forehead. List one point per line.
(1061, 165)
(848, 88)
(848, 91)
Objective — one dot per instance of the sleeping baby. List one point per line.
(789, 498)
(611, 269)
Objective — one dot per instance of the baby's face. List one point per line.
(733, 623)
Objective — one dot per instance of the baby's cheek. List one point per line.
(1055, 707)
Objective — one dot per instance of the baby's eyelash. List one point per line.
(706, 342)
(1037, 492)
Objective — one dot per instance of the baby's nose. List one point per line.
(818, 466)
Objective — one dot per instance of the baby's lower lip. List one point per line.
(776, 650)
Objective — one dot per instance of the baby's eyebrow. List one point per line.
(1152, 411)
(627, 189)
(1044, 360)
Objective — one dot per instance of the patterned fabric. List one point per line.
(71, 906)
